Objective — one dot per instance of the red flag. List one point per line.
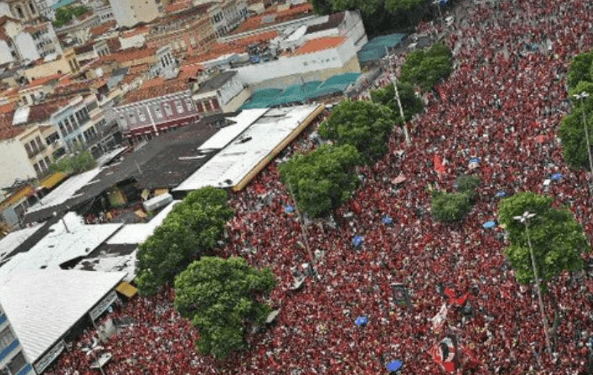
(438, 165)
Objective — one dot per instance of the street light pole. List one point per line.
(399, 103)
(524, 219)
(582, 97)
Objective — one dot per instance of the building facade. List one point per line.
(45, 39)
(220, 94)
(24, 10)
(13, 360)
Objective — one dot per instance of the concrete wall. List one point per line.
(352, 66)
(26, 46)
(236, 102)
(14, 162)
(5, 53)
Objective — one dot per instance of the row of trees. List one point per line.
(577, 126)
(220, 297)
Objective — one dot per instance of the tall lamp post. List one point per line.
(524, 219)
(399, 103)
(582, 96)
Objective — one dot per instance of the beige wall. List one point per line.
(64, 65)
(236, 102)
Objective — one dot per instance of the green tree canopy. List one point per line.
(191, 228)
(450, 207)
(362, 124)
(426, 67)
(78, 162)
(572, 135)
(411, 103)
(557, 239)
(64, 14)
(220, 297)
(580, 69)
(322, 180)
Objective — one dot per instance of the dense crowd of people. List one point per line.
(502, 105)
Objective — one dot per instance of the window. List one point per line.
(132, 118)
(17, 363)
(68, 127)
(28, 148)
(141, 116)
(189, 104)
(33, 146)
(168, 110)
(37, 170)
(179, 106)
(47, 161)
(6, 338)
(74, 123)
(62, 129)
(42, 165)
(158, 112)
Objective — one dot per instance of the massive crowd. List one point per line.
(503, 105)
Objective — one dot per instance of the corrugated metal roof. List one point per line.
(14, 239)
(236, 160)
(225, 135)
(42, 305)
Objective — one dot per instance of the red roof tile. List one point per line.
(7, 130)
(42, 81)
(130, 55)
(102, 29)
(255, 22)
(320, 44)
(156, 87)
(236, 46)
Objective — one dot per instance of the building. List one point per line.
(78, 30)
(129, 13)
(158, 105)
(223, 93)
(65, 63)
(16, 45)
(45, 38)
(24, 10)
(188, 31)
(14, 359)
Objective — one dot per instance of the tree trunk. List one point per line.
(557, 316)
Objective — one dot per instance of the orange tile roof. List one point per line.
(102, 29)
(42, 112)
(7, 130)
(255, 22)
(131, 54)
(6, 108)
(138, 69)
(144, 29)
(178, 6)
(42, 81)
(320, 44)
(156, 87)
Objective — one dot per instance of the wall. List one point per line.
(330, 59)
(5, 53)
(5, 10)
(133, 41)
(26, 46)
(236, 102)
(142, 11)
(14, 162)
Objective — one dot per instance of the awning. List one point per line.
(24, 192)
(126, 289)
(51, 181)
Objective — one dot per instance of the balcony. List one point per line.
(37, 151)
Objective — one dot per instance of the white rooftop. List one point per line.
(138, 233)
(65, 191)
(42, 305)
(59, 246)
(232, 164)
(21, 115)
(111, 263)
(14, 239)
(225, 135)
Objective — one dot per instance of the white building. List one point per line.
(45, 39)
(129, 13)
(14, 359)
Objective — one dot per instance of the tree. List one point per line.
(191, 228)
(426, 67)
(221, 299)
(557, 240)
(362, 124)
(580, 69)
(450, 207)
(64, 15)
(322, 180)
(572, 135)
(411, 103)
(468, 185)
(77, 162)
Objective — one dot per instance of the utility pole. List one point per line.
(524, 219)
(304, 234)
(399, 103)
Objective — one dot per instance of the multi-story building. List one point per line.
(24, 10)
(221, 93)
(129, 13)
(157, 106)
(45, 38)
(77, 31)
(188, 32)
(16, 45)
(13, 360)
